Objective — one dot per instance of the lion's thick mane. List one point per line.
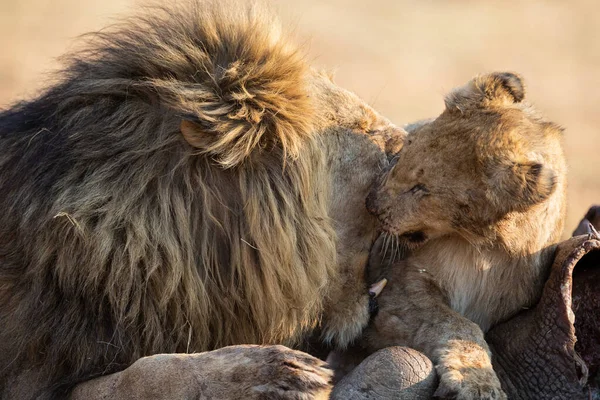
(120, 237)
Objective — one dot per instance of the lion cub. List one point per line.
(477, 196)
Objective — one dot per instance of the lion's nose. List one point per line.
(372, 204)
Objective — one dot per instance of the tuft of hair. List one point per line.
(165, 195)
(223, 66)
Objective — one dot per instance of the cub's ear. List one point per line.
(518, 186)
(505, 86)
(491, 90)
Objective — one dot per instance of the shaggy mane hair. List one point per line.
(121, 238)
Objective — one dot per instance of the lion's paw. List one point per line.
(470, 384)
(281, 373)
(232, 373)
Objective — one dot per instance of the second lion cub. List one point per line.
(478, 197)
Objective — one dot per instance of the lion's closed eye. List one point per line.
(419, 189)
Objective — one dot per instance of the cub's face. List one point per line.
(485, 156)
(429, 184)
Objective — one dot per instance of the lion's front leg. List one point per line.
(414, 312)
(230, 373)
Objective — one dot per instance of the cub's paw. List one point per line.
(470, 384)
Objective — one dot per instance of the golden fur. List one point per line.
(188, 183)
(477, 198)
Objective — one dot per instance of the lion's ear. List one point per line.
(516, 186)
(202, 137)
(495, 89)
(192, 133)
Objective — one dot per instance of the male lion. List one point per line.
(188, 183)
(478, 198)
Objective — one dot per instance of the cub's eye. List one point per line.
(418, 189)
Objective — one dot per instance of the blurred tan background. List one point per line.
(400, 56)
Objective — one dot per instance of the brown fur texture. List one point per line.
(189, 183)
(477, 198)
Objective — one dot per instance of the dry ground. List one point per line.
(401, 56)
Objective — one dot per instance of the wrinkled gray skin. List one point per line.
(407, 371)
(551, 351)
